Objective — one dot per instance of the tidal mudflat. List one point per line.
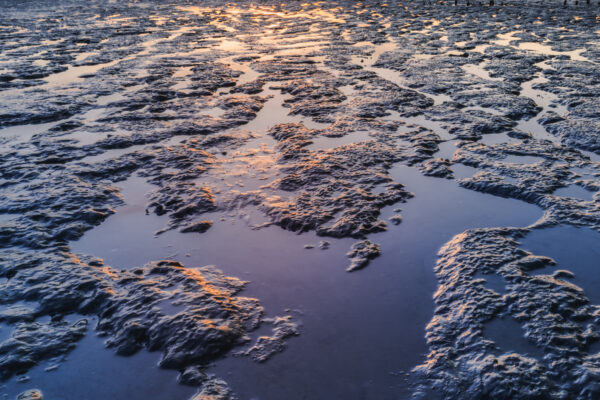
(257, 200)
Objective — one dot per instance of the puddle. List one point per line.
(497, 138)
(111, 98)
(112, 153)
(548, 101)
(273, 113)
(379, 50)
(484, 109)
(325, 143)
(493, 281)
(22, 133)
(460, 208)
(594, 348)
(75, 74)
(541, 48)
(338, 310)
(508, 335)
(128, 249)
(396, 78)
(84, 137)
(461, 171)
(231, 45)
(421, 56)
(479, 71)
(391, 75)
(574, 249)
(169, 307)
(517, 159)
(592, 156)
(96, 373)
(214, 112)
(5, 332)
(248, 74)
(504, 39)
(4, 218)
(533, 127)
(420, 120)
(481, 48)
(576, 192)
(446, 149)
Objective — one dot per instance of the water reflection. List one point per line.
(359, 330)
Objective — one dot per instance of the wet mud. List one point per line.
(183, 187)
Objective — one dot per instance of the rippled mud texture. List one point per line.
(191, 315)
(361, 253)
(30, 395)
(293, 115)
(554, 314)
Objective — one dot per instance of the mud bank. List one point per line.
(186, 186)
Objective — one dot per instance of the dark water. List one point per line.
(574, 249)
(92, 372)
(362, 331)
(507, 333)
(576, 192)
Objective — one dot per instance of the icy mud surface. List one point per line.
(183, 188)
